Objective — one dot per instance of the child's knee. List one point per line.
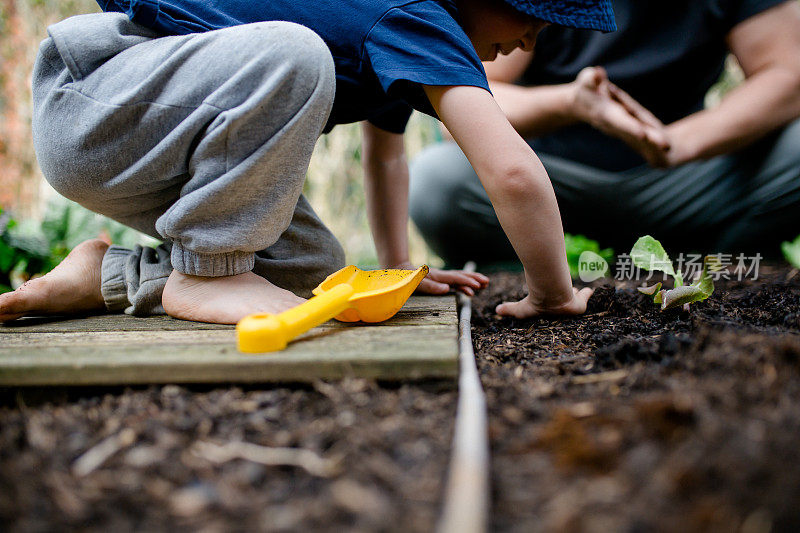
(57, 162)
(66, 168)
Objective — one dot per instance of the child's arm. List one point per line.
(521, 193)
(386, 189)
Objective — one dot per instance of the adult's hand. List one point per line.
(611, 110)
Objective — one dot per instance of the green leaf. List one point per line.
(653, 290)
(791, 251)
(28, 246)
(7, 255)
(576, 245)
(701, 289)
(647, 253)
(682, 295)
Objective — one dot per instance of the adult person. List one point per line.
(619, 123)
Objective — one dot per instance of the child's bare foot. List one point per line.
(70, 288)
(223, 300)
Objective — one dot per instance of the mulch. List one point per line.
(625, 419)
(383, 452)
(633, 419)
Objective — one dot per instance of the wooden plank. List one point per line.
(116, 322)
(377, 352)
(116, 338)
(419, 309)
(121, 354)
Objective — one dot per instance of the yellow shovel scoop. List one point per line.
(349, 295)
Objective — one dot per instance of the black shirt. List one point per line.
(666, 55)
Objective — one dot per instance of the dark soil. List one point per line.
(630, 419)
(625, 419)
(388, 448)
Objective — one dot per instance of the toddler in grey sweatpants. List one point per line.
(200, 140)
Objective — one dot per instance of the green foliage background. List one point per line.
(32, 247)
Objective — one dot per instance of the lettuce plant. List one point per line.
(578, 244)
(791, 251)
(20, 255)
(650, 255)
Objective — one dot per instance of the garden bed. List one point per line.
(384, 453)
(624, 419)
(632, 419)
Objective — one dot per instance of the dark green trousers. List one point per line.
(745, 202)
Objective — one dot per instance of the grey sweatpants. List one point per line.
(746, 202)
(201, 140)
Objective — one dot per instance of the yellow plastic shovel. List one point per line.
(349, 295)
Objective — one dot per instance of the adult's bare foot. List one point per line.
(223, 300)
(73, 287)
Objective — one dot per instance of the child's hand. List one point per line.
(526, 308)
(442, 281)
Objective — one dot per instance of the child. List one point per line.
(193, 121)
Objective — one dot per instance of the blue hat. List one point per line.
(585, 14)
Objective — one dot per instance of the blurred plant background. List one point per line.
(334, 187)
(23, 25)
(37, 227)
(32, 246)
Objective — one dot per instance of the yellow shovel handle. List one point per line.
(265, 332)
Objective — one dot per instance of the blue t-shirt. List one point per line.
(384, 50)
(664, 54)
